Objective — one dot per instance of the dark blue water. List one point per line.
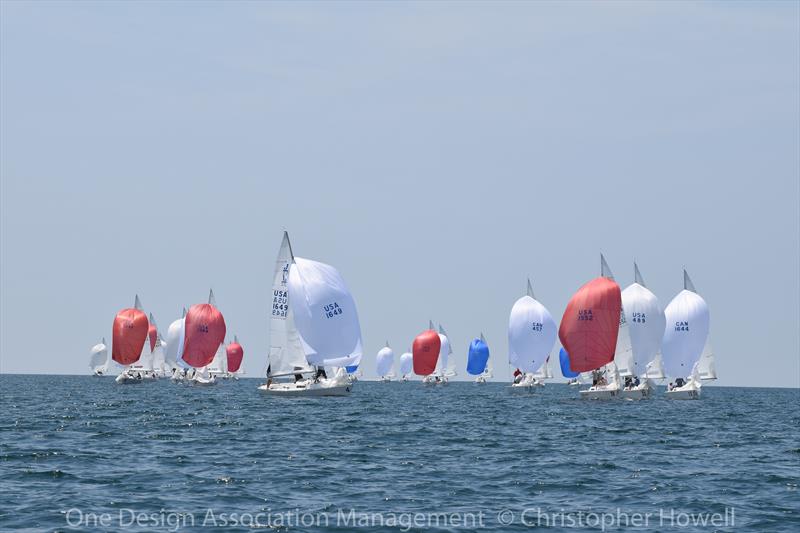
(87, 452)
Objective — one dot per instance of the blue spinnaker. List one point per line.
(478, 357)
(563, 358)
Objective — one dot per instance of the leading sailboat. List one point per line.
(313, 325)
(589, 330)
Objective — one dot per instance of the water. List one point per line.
(92, 446)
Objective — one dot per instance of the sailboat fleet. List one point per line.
(614, 343)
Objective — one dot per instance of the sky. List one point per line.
(437, 154)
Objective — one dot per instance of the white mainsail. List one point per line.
(384, 362)
(286, 354)
(219, 365)
(531, 333)
(706, 369)
(447, 363)
(655, 368)
(645, 323)
(98, 357)
(686, 333)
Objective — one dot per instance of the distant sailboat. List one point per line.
(566, 371)
(234, 354)
(384, 363)
(425, 353)
(159, 359)
(645, 322)
(314, 324)
(531, 337)
(478, 360)
(406, 365)
(204, 332)
(128, 344)
(589, 330)
(447, 361)
(685, 341)
(173, 352)
(98, 358)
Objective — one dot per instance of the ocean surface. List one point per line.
(82, 453)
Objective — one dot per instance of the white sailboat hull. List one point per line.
(640, 392)
(600, 393)
(690, 391)
(480, 380)
(324, 387)
(204, 381)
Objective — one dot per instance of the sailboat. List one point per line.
(589, 330)
(566, 371)
(447, 361)
(384, 363)
(685, 342)
(406, 365)
(98, 358)
(129, 346)
(434, 376)
(234, 354)
(425, 354)
(173, 351)
(645, 322)
(204, 332)
(478, 359)
(531, 337)
(159, 360)
(314, 324)
(544, 373)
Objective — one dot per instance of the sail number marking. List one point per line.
(280, 302)
(332, 310)
(682, 325)
(585, 314)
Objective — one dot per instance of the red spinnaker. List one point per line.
(128, 336)
(204, 332)
(152, 334)
(590, 324)
(235, 355)
(425, 352)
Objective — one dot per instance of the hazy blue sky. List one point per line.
(436, 153)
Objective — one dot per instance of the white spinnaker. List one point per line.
(531, 334)
(286, 354)
(646, 323)
(175, 336)
(623, 355)
(687, 319)
(324, 313)
(384, 361)
(406, 364)
(98, 356)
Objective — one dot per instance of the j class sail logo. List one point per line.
(681, 325)
(622, 320)
(285, 274)
(332, 310)
(585, 314)
(280, 303)
(536, 326)
(639, 318)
